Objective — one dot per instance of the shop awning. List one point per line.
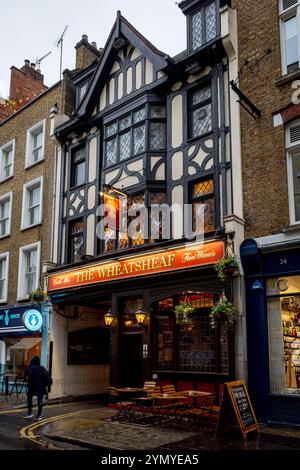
(26, 343)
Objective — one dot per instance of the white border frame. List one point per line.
(2, 198)
(30, 131)
(21, 295)
(27, 187)
(3, 149)
(6, 256)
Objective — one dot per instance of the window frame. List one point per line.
(11, 144)
(192, 108)
(31, 132)
(285, 15)
(69, 244)
(6, 257)
(194, 12)
(193, 200)
(72, 166)
(2, 199)
(146, 122)
(21, 293)
(27, 187)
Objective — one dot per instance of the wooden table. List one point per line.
(130, 390)
(195, 394)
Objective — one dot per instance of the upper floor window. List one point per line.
(293, 167)
(135, 133)
(78, 167)
(32, 203)
(4, 257)
(35, 145)
(5, 214)
(7, 154)
(203, 206)
(200, 112)
(82, 91)
(75, 242)
(138, 225)
(290, 29)
(29, 269)
(203, 26)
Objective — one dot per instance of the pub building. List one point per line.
(159, 130)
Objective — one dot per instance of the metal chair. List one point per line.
(20, 381)
(124, 408)
(170, 389)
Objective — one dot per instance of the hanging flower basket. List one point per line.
(227, 267)
(223, 311)
(183, 313)
(37, 296)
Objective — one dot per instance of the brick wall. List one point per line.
(16, 127)
(263, 146)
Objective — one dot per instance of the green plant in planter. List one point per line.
(226, 267)
(223, 311)
(183, 313)
(37, 296)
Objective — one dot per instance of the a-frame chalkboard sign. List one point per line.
(236, 406)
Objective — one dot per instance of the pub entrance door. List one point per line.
(131, 360)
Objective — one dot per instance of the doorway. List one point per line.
(132, 360)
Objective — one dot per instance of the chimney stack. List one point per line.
(86, 53)
(25, 83)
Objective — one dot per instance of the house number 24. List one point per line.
(283, 261)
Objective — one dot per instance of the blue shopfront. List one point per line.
(272, 276)
(23, 334)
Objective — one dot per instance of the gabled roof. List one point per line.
(121, 29)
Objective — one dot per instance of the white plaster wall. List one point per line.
(90, 234)
(149, 72)
(177, 212)
(102, 103)
(177, 125)
(111, 91)
(129, 80)
(92, 159)
(72, 379)
(138, 75)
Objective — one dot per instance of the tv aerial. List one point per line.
(59, 43)
(38, 61)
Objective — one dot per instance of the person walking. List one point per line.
(38, 379)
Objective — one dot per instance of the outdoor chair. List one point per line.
(170, 389)
(124, 408)
(207, 413)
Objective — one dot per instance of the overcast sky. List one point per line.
(30, 28)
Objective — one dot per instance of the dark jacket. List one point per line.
(38, 378)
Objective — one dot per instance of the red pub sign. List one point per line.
(191, 256)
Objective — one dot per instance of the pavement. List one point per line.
(88, 425)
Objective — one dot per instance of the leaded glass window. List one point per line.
(203, 206)
(125, 146)
(200, 112)
(111, 151)
(139, 139)
(157, 136)
(76, 241)
(203, 26)
(197, 30)
(198, 348)
(139, 115)
(126, 136)
(211, 22)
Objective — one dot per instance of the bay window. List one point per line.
(137, 132)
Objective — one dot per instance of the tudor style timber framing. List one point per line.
(133, 74)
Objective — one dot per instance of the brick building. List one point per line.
(268, 42)
(28, 156)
